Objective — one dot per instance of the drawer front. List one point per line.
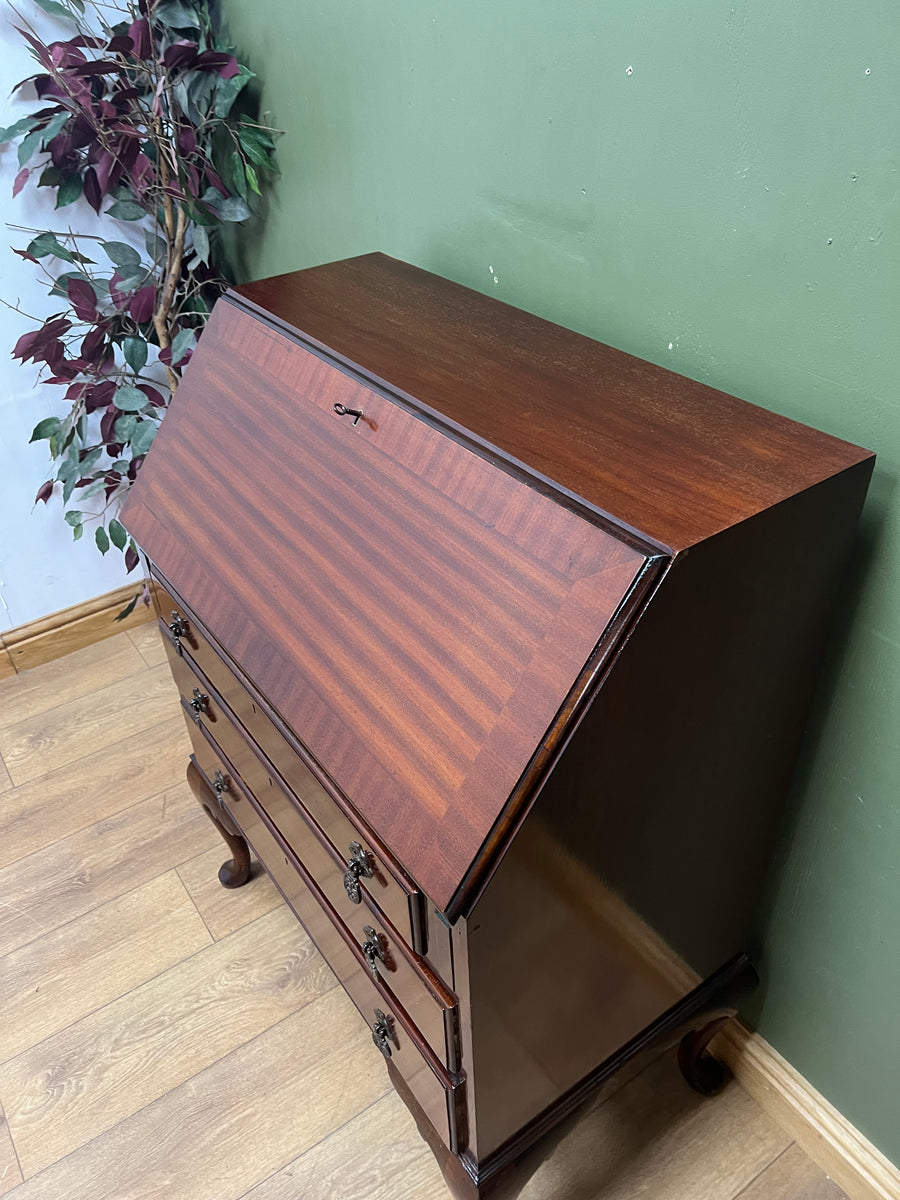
(440, 1095)
(394, 893)
(430, 1005)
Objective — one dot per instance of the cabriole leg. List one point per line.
(235, 871)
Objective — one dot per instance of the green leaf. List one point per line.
(93, 490)
(125, 210)
(201, 243)
(11, 132)
(129, 399)
(177, 15)
(46, 243)
(44, 429)
(117, 534)
(135, 351)
(77, 531)
(238, 178)
(102, 539)
(29, 145)
(124, 256)
(181, 343)
(142, 438)
(252, 179)
(156, 247)
(228, 90)
(69, 190)
(55, 9)
(124, 427)
(49, 177)
(231, 208)
(254, 148)
(74, 517)
(54, 125)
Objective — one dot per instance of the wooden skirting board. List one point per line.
(71, 629)
(827, 1137)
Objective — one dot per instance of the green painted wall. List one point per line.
(712, 186)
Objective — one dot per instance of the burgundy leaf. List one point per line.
(131, 558)
(89, 43)
(120, 44)
(77, 390)
(60, 149)
(19, 181)
(45, 85)
(108, 110)
(25, 254)
(142, 303)
(107, 421)
(155, 397)
(187, 143)
(24, 347)
(139, 32)
(118, 297)
(214, 60)
(99, 67)
(44, 492)
(38, 47)
(215, 179)
(83, 299)
(180, 54)
(92, 345)
(92, 192)
(133, 467)
(142, 173)
(165, 356)
(105, 164)
(65, 54)
(99, 396)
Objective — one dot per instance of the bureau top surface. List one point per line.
(668, 456)
(417, 616)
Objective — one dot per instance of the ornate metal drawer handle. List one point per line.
(383, 1032)
(220, 786)
(373, 949)
(178, 628)
(198, 703)
(357, 866)
(343, 411)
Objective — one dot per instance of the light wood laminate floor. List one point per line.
(163, 1038)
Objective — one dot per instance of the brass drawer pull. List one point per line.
(373, 949)
(178, 628)
(358, 865)
(383, 1032)
(198, 703)
(220, 786)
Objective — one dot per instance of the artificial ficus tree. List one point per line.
(136, 113)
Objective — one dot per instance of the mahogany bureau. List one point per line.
(496, 646)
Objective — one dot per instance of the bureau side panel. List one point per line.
(639, 869)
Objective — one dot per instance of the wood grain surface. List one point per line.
(100, 1070)
(148, 643)
(10, 1171)
(46, 687)
(87, 789)
(416, 615)
(224, 910)
(80, 872)
(65, 974)
(669, 456)
(71, 730)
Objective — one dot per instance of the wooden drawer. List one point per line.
(440, 1094)
(389, 886)
(430, 1004)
